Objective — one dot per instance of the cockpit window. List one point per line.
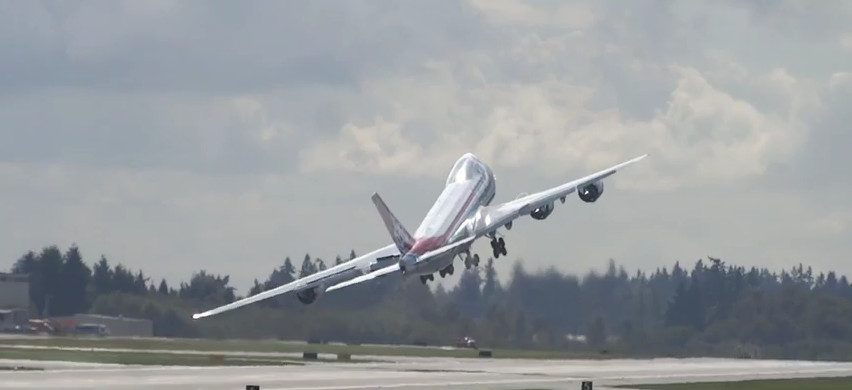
(465, 169)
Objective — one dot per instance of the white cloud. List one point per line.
(557, 14)
(701, 136)
(379, 148)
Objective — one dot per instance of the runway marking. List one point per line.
(436, 384)
(676, 376)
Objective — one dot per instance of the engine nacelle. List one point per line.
(309, 295)
(591, 192)
(542, 212)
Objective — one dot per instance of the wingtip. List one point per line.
(197, 316)
(637, 159)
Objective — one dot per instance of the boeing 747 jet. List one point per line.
(461, 214)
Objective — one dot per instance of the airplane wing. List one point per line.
(364, 263)
(457, 246)
(363, 278)
(490, 218)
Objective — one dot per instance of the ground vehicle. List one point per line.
(92, 330)
(466, 342)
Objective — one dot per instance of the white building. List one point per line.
(14, 291)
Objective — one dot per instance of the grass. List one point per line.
(141, 358)
(291, 347)
(769, 384)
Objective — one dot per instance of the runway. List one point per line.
(413, 373)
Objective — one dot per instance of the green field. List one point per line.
(142, 358)
(291, 347)
(779, 384)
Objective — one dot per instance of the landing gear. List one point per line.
(471, 261)
(447, 271)
(425, 278)
(498, 245)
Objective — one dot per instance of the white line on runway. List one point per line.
(433, 384)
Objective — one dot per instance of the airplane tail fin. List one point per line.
(401, 237)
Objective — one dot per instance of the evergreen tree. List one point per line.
(164, 288)
(491, 284)
(76, 277)
(468, 296)
(123, 280)
(596, 334)
(308, 267)
(256, 288)
(50, 269)
(102, 277)
(792, 313)
(139, 283)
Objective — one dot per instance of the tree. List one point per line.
(164, 288)
(308, 267)
(596, 334)
(139, 283)
(102, 277)
(50, 270)
(280, 276)
(468, 296)
(256, 288)
(123, 279)
(76, 277)
(786, 314)
(491, 284)
(212, 289)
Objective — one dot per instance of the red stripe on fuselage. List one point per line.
(425, 244)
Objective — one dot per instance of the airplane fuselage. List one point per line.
(469, 186)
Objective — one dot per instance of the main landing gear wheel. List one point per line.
(424, 278)
(471, 261)
(447, 271)
(499, 247)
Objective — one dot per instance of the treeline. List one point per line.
(708, 309)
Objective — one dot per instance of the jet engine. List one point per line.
(309, 295)
(591, 192)
(542, 212)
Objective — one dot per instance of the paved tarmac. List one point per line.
(411, 373)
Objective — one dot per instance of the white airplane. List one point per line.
(461, 214)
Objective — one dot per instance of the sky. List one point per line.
(175, 136)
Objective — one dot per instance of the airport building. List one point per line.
(14, 300)
(14, 291)
(101, 325)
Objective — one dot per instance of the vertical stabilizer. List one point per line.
(401, 237)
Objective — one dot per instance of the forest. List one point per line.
(709, 308)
